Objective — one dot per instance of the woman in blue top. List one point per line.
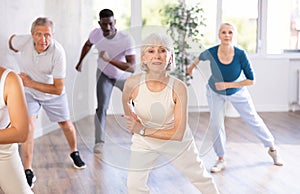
(231, 71)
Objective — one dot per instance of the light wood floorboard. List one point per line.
(249, 168)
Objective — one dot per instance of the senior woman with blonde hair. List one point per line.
(155, 106)
(231, 73)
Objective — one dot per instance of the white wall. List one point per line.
(270, 92)
(294, 83)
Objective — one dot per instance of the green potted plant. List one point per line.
(184, 23)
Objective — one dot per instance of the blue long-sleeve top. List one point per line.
(227, 72)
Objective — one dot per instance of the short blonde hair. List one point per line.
(157, 39)
(228, 24)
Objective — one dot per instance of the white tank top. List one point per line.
(155, 109)
(4, 116)
(6, 150)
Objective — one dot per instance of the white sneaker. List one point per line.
(98, 148)
(276, 157)
(218, 167)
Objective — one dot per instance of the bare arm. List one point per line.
(129, 93)
(10, 43)
(126, 98)
(192, 66)
(17, 108)
(129, 65)
(226, 85)
(84, 51)
(55, 88)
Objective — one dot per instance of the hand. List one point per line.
(78, 67)
(132, 113)
(104, 55)
(221, 85)
(190, 69)
(133, 123)
(25, 79)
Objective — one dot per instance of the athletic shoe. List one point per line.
(276, 157)
(218, 167)
(30, 177)
(98, 148)
(78, 163)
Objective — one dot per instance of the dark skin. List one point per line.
(107, 25)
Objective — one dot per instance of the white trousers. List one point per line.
(242, 102)
(183, 155)
(12, 176)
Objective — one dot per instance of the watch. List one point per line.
(142, 131)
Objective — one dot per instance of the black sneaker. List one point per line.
(30, 177)
(78, 163)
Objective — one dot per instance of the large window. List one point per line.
(121, 9)
(264, 26)
(153, 18)
(283, 26)
(151, 15)
(244, 15)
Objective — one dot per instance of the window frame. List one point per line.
(261, 50)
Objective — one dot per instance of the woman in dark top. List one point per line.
(231, 72)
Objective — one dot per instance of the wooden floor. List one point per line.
(249, 168)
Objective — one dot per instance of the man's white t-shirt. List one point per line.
(118, 47)
(41, 67)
